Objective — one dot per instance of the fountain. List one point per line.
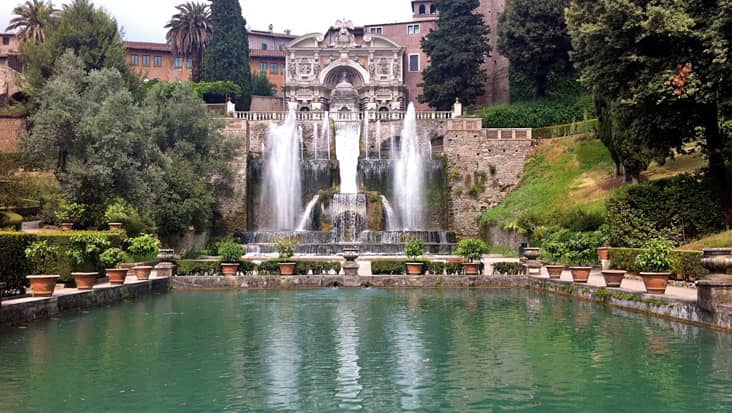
(356, 200)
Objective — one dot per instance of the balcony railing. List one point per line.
(341, 116)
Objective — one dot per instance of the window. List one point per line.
(414, 63)
(412, 29)
(134, 60)
(145, 60)
(189, 63)
(433, 9)
(376, 30)
(284, 69)
(178, 62)
(273, 68)
(158, 61)
(6, 40)
(264, 46)
(422, 10)
(263, 68)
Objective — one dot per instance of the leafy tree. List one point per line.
(665, 67)
(90, 32)
(261, 86)
(227, 55)
(32, 18)
(533, 35)
(457, 49)
(189, 33)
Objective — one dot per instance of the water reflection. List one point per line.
(349, 388)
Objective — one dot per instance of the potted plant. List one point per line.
(613, 277)
(286, 249)
(413, 250)
(230, 253)
(655, 264)
(109, 259)
(84, 252)
(43, 257)
(551, 252)
(69, 213)
(117, 212)
(143, 248)
(471, 250)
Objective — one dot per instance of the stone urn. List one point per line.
(580, 274)
(287, 268)
(350, 267)
(613, 278)
(115, 226)
(42, 285)
(229, 268)
(555, 271)
(142, 272)
(85, 280)
(533, 266)
(532, 253)
(715, 289)
(165, 255)
(117, 276)
(165, 269)
(655, 282)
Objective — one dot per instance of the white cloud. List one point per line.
(143, 20)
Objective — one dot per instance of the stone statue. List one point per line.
(316, 67)
(293, 69)
(372, 69)
(345, 35)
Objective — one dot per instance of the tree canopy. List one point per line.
(227, 55)
(533, 35)
(457, 51)
(189, 32)
(31, 20)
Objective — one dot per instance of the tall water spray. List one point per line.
(409, 175)
(283, 186)
(347, 152)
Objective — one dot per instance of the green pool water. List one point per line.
(370, 350)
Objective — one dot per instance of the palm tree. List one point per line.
(32, 18)
(189, 32)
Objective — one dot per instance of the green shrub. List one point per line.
(286, 248)
(414, 249)
(680, 209)
(13, 264)
(317, 267)
(388, 267)
(656, 256)
(561, 246)
(471, 249)
(538, 113)
(84, 251)
(686, 264)
(143, 248)
(247, 268)
(229, 251)
(9, 219)
(440, 268)
(42, 256)
(197, 267)
(270, 267)
(70, 212)
(508, 268)
(121, 211)
(111, 257)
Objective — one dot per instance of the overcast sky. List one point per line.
(143, 20)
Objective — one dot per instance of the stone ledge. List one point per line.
(29, 309)
(675, 308)
(325, 281)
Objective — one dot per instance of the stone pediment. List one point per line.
(310, 41)
(372, 40)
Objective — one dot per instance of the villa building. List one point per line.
(266, 55)
(157, 61)
(11, 63)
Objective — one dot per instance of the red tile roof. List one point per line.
(272, 34)
(158, 47)
(266, 53)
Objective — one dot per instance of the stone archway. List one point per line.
(355, 74)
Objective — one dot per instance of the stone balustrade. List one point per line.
(341, 116)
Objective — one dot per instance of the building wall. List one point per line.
(266, 48)
(167, 71)
(10, 131)
(497, 88)
(276, 78)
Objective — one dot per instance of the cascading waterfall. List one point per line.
(378, 137)
(302, 142)
(392, 223)
(391, 142)
(409, 175)
(326, 131)
(347, 152)
(366, 134)
(316, 140)
(307, 216)
(282, 194)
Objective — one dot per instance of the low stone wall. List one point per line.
(325, 281)
(26, 310)
(686, 311)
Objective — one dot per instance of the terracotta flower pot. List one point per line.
(555, 271)
(115, 226)
(117, 276)
(471, 268)
(142, 272)
(603, 253)
(42, 285)
(415, 268)
(66, 226)
(613, 278)
(287, 268)
(229, 268)
(580, 274)
(655, 282)
(85, 280)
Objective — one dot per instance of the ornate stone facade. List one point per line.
(345, 69)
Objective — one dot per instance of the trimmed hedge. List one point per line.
(14, 267)
(399, 267)
(272, 267)
(509, 268)
(538, 113)
(197, 267)
(687, 267)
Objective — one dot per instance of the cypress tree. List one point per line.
(227, 55)
(457, 49)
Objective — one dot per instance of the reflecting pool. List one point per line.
(365, 349)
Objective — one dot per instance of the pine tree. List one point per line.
(227, 55)
(457, 49)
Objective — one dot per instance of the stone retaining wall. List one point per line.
(10, 131)
(325, 281)
(22, 311)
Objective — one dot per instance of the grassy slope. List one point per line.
(723, 239)
(569, 173)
